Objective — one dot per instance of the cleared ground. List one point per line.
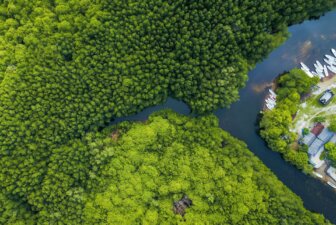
(311, 108)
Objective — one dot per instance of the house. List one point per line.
(326, 97)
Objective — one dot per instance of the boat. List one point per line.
(332, 68)
(271, 102)
(270, 106)
(320, 73)
(315, 74)
(308, 73)
(330, 62)
(272, 92)
(319, 70)
(333, 52)
(331, 58)
(304, 66)
(326, 73)
(319, 64)
(331, 184)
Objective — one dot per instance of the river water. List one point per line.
(309, 41)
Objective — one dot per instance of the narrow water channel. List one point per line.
(309, 41)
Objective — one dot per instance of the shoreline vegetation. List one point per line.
(274, 125)
(67, 68)
(283, 130)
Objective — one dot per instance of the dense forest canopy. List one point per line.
(133, 172)
(69, 67)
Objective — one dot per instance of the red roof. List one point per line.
(317, 129)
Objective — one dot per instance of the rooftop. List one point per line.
(308, 139)
(315, 147)
(325, 135)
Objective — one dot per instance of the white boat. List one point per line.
(330, 62)
(309, 74)
(333, 52)
(270, 103)
(331, 58)
(319, 70)
(304, 66)
(270, 106)
(332, 68)
(326, 73)
(320, 73)
(272, 92)
(315, 74)
(331, 184)
(319, 65)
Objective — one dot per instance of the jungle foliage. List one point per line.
(132, 173)
(275, 124)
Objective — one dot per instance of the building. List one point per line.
(326, 97)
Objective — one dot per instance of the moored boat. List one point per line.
(333, 52)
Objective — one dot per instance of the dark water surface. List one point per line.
(309, 41)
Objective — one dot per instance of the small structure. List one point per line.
(332, 172)
(326, 97)
(180, 206)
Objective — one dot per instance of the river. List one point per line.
(309, 41)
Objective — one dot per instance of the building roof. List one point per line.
(309, 139)
(332, 172)
(325, 135)
(315, 147)
(317, 129)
